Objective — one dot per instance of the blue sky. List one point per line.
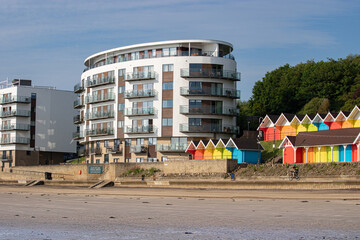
(47, 41)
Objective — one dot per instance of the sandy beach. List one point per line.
(45, 212)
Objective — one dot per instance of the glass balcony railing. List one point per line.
(178, 53)
(78, 135)
(209, 128)
(15, 140)
(78, 119)
(100, 81)
(114, 149)
(185, 109)
(99, 132)
(139, 76)
(15, 99)
(99, 115)
(100, 98)
(172, 147)
(15, 113)
(78, 88)
(78, 103)
(138, 149)
(140, 93)
(17, 126)
(222, 74)
(139, 111)
(213, 92)
(139, 129)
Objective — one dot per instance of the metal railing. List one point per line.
(78, 88)
(138, 149)
(100, 98)
(139, 76)
(139, 111)
(140, 93)
(78, 119)
(213, 92)
(100, 81)
(78, 135)
(16, 126)
(114, 149)
(204, 73)
(15, 140)
(15, 99)
(209, 128)
(139, 129)
(185, 109)
(15, 113)
(98, 115)
(171, 147)
(99, 131)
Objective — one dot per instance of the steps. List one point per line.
(34, 183)
(102, 184)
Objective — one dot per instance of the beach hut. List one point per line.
(267, 126)
(318, 121)
(245, 150)
(192, 148)
(209, 149)
(219, 149)
(199, 152)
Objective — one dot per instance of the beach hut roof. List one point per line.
(354, 113)
(284, 119)
(221, 143)
(329, 117)
(246, 144)
(291, 139)
(191, 143)
(341, 116)
(268, 120)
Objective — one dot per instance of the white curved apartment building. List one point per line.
(144, 102)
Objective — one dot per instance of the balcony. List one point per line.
(139, 111)
(100, 81)
(211, 92)
(78, 103)
(78, 88)
(138, 149)
(99, 132)
(99, 115)
(78, 119)
(15, 140)
(82, 152)
(204, 73)
(100, 98)
(15, 99)
(172, 147)
(17, 126)
(139, 76)
(117, 149)
(96, 151)
(140, 93)
(15, 113)
(208, 128)
(78, 135)
(139, 129)
(186, 110)
(5, 158)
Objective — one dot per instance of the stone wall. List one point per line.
(200, 166)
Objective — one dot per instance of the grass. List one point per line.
(268, 150)
(77, 160)
(137, 171)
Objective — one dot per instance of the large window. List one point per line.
(195, 121)
(167, 85)
(168, 67)
(167, 122)
(121, 106)
(140, 141)
(178, 140)
(127, 142)
(194, 103)
(167, 103)
(152, 141)
(121, 124)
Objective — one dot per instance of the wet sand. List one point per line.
(44, 212)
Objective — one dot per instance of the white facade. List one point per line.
(209, 58)
(35, 119)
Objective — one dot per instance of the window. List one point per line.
(146, 54)
(117, 142)
(148, 86)
(152, 159)
(122, 72)
(168, 67)
(166, 52)
(121, 106)
(195, 85)
(173, 51)
(139, 159)
(121, 89)
(127, 142)
(195, 121)
(28, 153)
(121, 124)
(194, 103)
(164, 159)
(167, 103)
(106, 143)
(178, 140)
(167, 85)
(97, 161)
(166, 122)
(154, 52)
(140, 141)
(152, 141)
(147, 104)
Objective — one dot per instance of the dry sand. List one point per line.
(44, 212)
